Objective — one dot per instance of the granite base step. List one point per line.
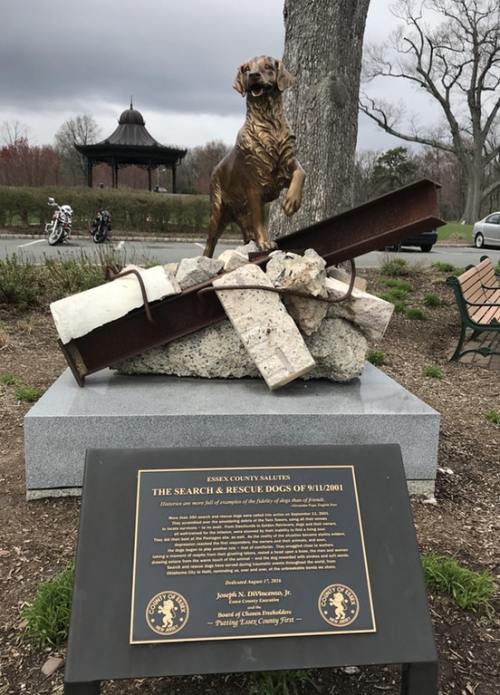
(114, 411)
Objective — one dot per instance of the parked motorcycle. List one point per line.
(59, 228)
(101, 226)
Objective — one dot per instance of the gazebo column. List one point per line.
(114, 173)
(89, 172)
(174, 178)
(150, 178)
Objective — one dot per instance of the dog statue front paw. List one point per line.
(291, 203)
(267, 245)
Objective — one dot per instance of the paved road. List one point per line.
(166, 252)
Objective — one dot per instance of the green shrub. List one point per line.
(20, 282)
(397, 284)
(493, 416)
(71, 275)
(28, 394)
(469, 589)
(394, 294)
(278, 682)
(8, 379)
(400, 307)
(376, 357)
(47, 616)
(416, 315)
(139, 211)
(433, 372)
(395, 267)
(443, 267)
(432, 300)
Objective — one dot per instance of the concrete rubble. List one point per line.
(280, 337)
(78, 314)
(194, 271)
(216, 352)
(304, 273)
(232, 259)
(267, 331)
(371, 314)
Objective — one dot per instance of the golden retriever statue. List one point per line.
(261, 163)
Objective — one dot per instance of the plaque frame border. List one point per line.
(260, 636)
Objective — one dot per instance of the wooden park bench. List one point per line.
(477, 292)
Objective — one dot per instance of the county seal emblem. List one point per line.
(338, 605)
(167, 613)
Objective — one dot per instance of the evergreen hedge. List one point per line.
(134, 211)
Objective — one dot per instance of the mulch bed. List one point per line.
(38, 538)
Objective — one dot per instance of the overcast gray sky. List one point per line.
(59, 58)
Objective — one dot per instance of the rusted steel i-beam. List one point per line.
(379, 222)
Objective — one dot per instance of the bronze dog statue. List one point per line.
(262, 162)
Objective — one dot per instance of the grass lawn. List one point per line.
(455, 230)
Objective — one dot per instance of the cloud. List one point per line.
(60, 58)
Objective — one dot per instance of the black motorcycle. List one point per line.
(101, 226)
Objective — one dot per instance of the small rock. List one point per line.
(194, 271)
(251, 247)
(232, 259)
(351, 670)
(52, 664)
(445, 471)
(430, 499)
(304, 273)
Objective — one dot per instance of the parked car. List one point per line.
(426, 241)
(487, 232)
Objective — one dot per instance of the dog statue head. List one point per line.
(262, 75)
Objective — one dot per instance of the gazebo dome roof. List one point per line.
(131, 117)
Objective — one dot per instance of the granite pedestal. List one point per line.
(114, 411)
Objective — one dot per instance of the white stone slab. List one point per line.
(265, 328)
(81, 313)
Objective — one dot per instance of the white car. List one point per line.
(487, 232)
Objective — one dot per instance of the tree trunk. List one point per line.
(473, 199)
(323, 49)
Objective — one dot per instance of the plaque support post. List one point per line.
(90, 688)
(419, 679)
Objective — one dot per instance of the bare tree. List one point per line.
(197, 165)
(81, 130)
(12, 132)
(457, 63)
(323, 49)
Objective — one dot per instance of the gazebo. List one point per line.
(130, 144)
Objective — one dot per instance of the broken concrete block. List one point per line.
(338, 348)
(193, 271)
(266, 329)
(340, 274)
(370, 313)
(81, 313)
(232, 259)
(304, 273)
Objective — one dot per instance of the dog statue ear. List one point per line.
(238, 83)
(284, 79)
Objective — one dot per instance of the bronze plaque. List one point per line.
(239, 553)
